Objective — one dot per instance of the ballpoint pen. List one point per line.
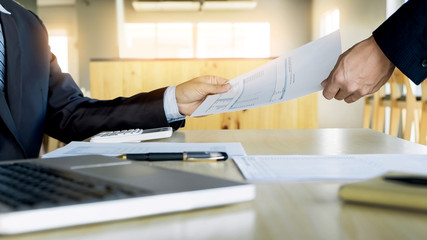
(412, 180)
(176, 156)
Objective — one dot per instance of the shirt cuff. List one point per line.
(170, 106)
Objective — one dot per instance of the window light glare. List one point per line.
(200, 40)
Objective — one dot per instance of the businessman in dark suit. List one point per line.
(401, 41)
(36, 97)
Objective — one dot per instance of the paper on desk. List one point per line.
(115, 149)
(337, 167)
(296, 74)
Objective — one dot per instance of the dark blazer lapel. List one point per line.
(13, 74)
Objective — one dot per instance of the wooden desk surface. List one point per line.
(281, 210)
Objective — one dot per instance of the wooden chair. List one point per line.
(367, 111)
(374, 109)
(381, 101)
(405, 108)
(396, 98)
(423, 121)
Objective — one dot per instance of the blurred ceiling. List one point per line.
(192, 5)
(55, 2)
(174, 5)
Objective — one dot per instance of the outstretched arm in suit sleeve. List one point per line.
(400, 41)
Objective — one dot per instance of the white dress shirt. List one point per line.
(170, 105)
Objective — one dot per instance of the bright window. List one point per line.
(214, 40)
(58, 41)
(158, 40)
(329, 22)
(201, 40)
(229, 40)
(175, 40)
(251, 39)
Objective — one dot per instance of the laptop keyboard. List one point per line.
(28, 185)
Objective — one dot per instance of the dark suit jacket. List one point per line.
(39, 98)
(403, 39)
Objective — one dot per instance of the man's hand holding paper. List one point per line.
(296, 74)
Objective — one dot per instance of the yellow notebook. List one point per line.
(393, 189)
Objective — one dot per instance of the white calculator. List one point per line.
(132, 135)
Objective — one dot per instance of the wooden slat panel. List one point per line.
(110, 79)
(107, 80)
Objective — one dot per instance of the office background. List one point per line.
(92, 32)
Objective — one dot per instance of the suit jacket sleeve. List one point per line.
(403, 39)
(39, 98)
(71, 116)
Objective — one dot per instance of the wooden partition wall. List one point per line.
(110, 79)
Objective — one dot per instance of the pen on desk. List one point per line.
(408, 180)
(176, 156)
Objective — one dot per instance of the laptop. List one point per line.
(41, 194)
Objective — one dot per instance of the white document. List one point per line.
(337, 167)
(116, 149)
(296, 74)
